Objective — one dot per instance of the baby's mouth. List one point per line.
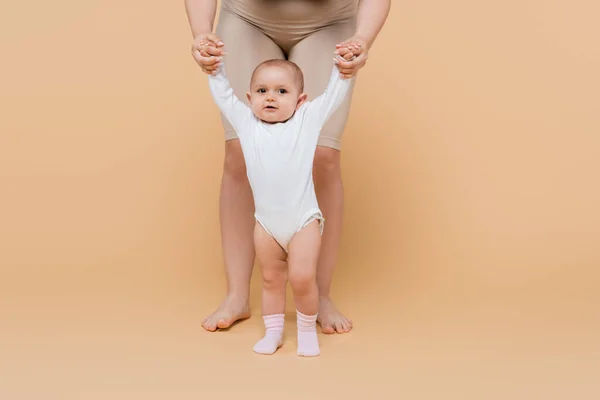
(271, 108)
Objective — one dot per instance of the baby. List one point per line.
(278, 134)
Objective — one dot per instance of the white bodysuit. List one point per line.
(279, 156)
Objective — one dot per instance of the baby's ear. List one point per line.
(301, 99)
(248, 96)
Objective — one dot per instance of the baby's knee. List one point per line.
(302, 281)
(274, 280)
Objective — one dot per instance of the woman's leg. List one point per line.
(236, 212)
(246, 47)
(330, 193)
(315, 56)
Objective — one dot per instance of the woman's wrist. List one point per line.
(200, 33)
(201, 15)
(370, 18)
(203, 27)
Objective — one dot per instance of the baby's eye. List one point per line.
(282, 91)
(261, 90)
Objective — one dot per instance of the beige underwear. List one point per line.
(303, 31)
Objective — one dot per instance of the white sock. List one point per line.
(308, 344)
(273, 338)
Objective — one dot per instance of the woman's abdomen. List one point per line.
(291, 20)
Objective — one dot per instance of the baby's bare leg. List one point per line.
(303, 257)
(273, 266)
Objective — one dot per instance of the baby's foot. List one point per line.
(308, 343)
(273, 338)
(230, 311)
(330, 319)
(268, 344)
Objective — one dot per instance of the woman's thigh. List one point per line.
(246, 47)
(314, 55)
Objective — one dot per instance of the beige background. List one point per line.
(470, 256)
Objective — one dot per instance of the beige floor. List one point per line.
(142, 339)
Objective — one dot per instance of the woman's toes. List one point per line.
(343, 326)
(222, 324)
(209, 326)
(327, 329)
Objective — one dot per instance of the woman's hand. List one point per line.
(354, 53)
(207, 50)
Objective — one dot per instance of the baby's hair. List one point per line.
(282, 63)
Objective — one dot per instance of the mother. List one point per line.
(306, 32)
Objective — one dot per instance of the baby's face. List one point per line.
(274, 94)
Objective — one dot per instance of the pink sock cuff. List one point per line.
(306, 318)
(274, 316)
(274, 320)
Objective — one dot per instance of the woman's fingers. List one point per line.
(354, 46)
(213, 51)
(204, 59)
(209, 39)
(214, 38)
(344, 53)
(345, 49)
(210, 59)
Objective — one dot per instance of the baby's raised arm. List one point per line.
(322, 107)
(237, 113)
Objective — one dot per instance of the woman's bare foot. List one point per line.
(230, 311)
(330, 319)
